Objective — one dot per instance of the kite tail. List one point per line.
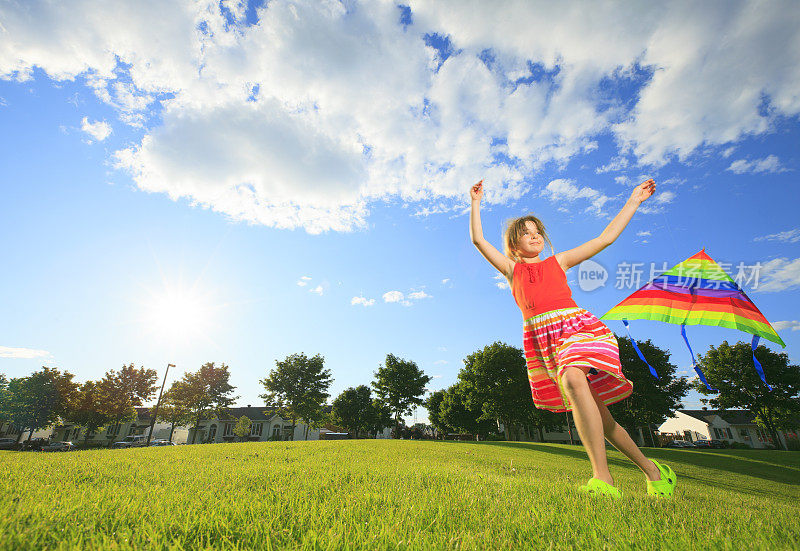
(639, 352)
(760, 370)
(694, 363)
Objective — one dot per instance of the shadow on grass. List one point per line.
(761, 464)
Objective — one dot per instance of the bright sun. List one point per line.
(178, 314)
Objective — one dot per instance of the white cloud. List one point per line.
(789, 236)
(316, 290)
(664, 197)
(501, 281)
(643, 233)
(792, 325)
(303, 281)
(392, 296)
(445, 280)
(322, 108)
(99, 130)
(728, 152)
(779, 274)
(769, 164)
(22, 353)
(405, 300)
(617, 163)
(362, 301)
(566, 190)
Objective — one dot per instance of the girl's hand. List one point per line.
(476, 192)
(643, 191)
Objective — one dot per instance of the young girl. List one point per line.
(572, 357)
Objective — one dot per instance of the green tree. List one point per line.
(653, 400)
(5, 398)
(172, 410)
(242, 428)
(206, 393)
(432, 403)
(40, 400)
(730, 369)
(495, 381)
(352, 410)
(380, 417)
(296, 387)
(400, 385)
(120, 393)
(87, 410)
(461, 414)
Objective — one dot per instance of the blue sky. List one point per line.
(275, 184)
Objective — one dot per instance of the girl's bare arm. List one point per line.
(495, 257)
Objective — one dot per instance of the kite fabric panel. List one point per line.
(695, 292)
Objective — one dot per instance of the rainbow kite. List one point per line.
(696, 292)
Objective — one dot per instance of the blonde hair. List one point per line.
(515, 228)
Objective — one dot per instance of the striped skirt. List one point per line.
(571, 337)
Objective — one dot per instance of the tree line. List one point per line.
(296, 390)
(492, 390)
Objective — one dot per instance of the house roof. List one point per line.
(731, 416)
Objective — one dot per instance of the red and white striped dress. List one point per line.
(557, 333)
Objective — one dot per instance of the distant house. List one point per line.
(8, 430)
(72, 432)
(733, 425)
(266, 424)
(107, 435)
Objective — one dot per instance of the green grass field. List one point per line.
(387, 494)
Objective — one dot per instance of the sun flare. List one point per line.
(179, 314)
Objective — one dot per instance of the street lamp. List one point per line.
(153, 420)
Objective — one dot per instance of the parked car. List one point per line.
(9, 444)
(162, 443)
(34, 444)
(680, 444)
(718, 444)
(703, 444)
(132, 441)
(58, 447)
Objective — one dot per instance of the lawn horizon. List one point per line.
(391, 494)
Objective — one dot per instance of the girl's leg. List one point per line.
(587, 420)
(621, 440)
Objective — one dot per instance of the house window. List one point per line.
(718, 433)
(276, 432)
(212, 433)
(228, 430)
(729, 433)
(75, 433)
(744, 434)
(113, 430)
(255, 429)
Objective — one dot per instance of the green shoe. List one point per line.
(597, 486)
(664, 487)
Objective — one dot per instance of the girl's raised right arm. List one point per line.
(497, 259)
